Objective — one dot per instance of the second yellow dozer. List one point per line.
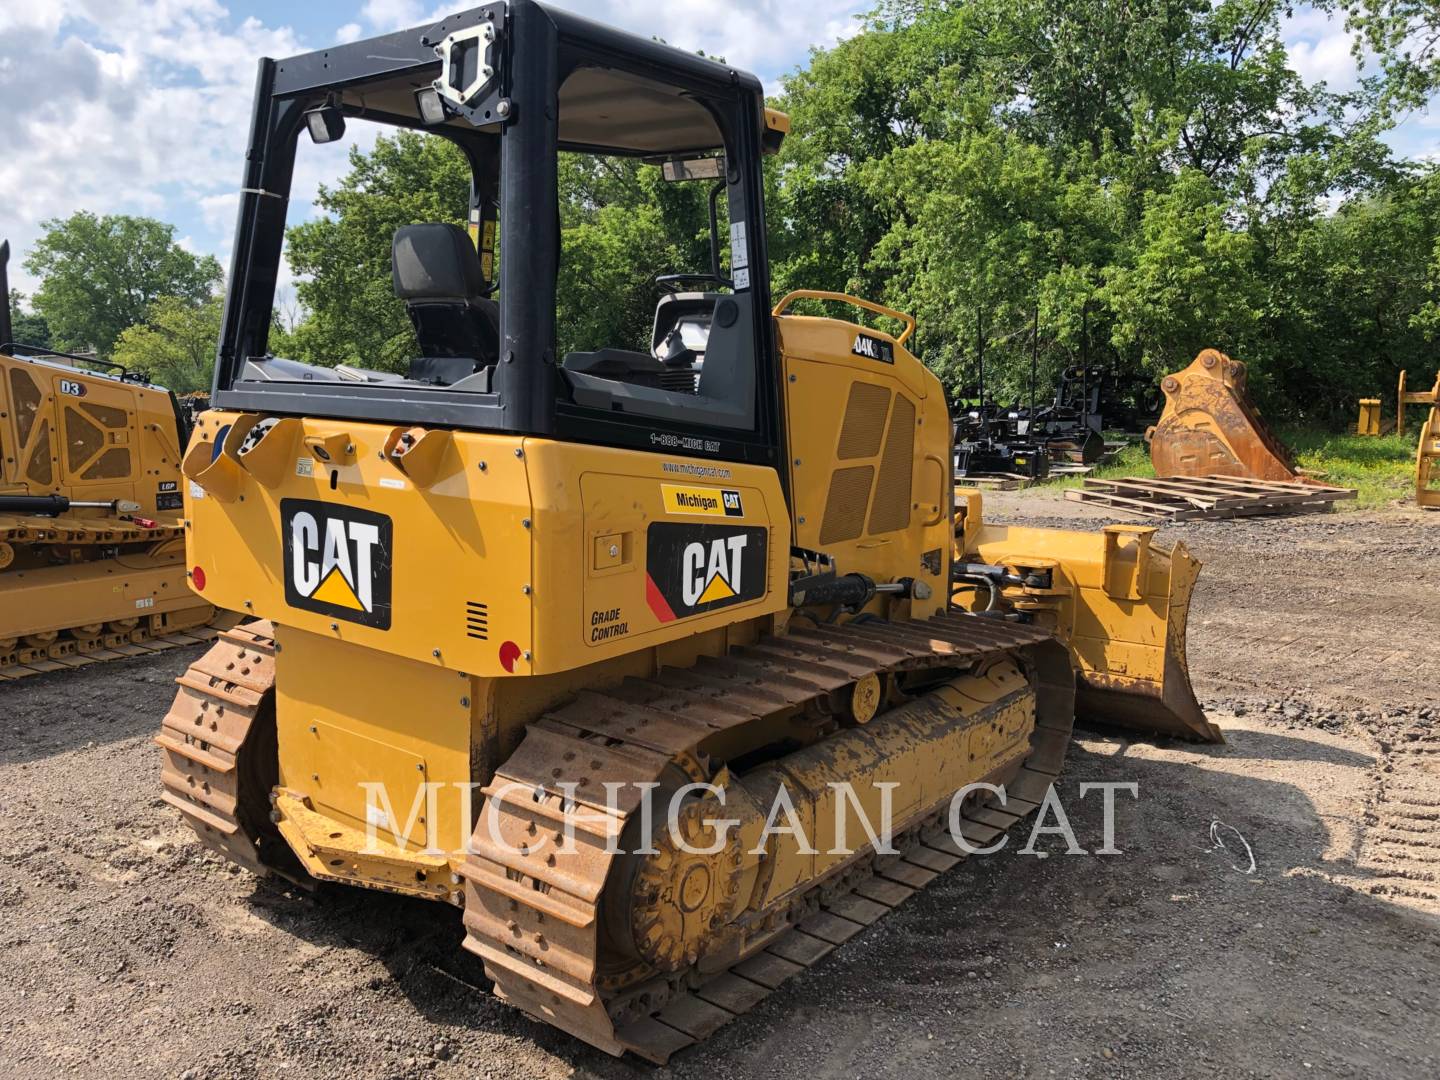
(630, 655)
(92, 553)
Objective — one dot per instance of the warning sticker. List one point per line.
(739, 251)
(702, 502)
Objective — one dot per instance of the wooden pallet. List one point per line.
(996, 482)
(1184, 498)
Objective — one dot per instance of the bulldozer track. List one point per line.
(222, 793)
(81, 646)
(535, 920)
(77, 532)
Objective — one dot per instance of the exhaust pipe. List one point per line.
(7, 333)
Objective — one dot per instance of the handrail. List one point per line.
(845, 298)
(40, 351)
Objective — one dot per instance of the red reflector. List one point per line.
(197, 578)
(509, 653)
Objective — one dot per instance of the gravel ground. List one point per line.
(127, 951)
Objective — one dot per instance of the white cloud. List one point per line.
(142, 106)
(764, 36)
(1328, 60)
(1320, 48)
(218, 211)
(124, 106)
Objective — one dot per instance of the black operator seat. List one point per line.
(436, 271)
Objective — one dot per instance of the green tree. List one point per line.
(343, 257)
(100, 275)
(28, 327)
(1405, 37)
(175, 346)
(621, 226)
(1132, 172)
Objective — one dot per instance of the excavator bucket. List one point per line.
(1427, 463)
(1210, 428)
(1119, 602)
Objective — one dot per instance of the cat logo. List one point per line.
(873, 348)
(337, 561)
(694, 569)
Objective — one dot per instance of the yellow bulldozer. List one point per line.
(92, 552)
(562, 636)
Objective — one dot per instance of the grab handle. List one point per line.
(854, 301)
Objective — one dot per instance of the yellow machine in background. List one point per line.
(1405, 396)
(1427, 463)
(92, 560)
(512, 597)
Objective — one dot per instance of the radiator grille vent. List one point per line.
(27, 399)
(864, 422)
(477, 620)
(40, 470)
(83, 440)
(897, 470)
(845, 507)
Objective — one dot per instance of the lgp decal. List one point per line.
(695, 569)
(338, 561)
(873, 348)
(702, 502)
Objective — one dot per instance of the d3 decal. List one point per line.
(694, 569)
(338, 561)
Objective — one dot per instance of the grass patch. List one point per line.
(1134, 460)
(1382, 470)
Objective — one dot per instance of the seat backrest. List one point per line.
(436, 271)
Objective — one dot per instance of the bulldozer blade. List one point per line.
(1211, 428)
(1121, 604)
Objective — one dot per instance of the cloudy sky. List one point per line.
(142, 106)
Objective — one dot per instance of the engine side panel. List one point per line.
(87, 436)
(869, 455)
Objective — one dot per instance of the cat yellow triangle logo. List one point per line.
(717, 589)
(336, 590)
